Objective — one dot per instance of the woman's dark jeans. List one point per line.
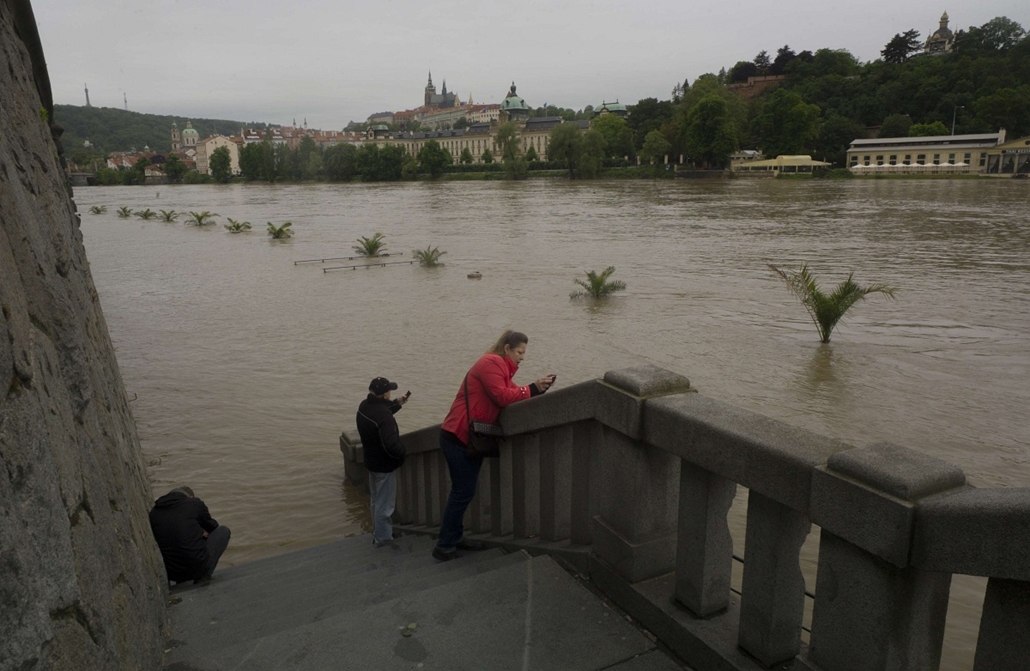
(464, 477)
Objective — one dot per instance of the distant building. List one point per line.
(783, 164)
(176, 139)
(480, 136)
(483, 113)
(942, 40)
(513, 107)
(443, 100)
(980, 153)
(616, 108)
(755, 85)
(190, 137)
(206, 147)
(380, 117)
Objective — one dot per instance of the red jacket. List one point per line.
(490, 389)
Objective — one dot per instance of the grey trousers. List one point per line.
(383, 487)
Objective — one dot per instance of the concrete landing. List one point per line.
(348, 605)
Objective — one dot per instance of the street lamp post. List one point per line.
(954, 113)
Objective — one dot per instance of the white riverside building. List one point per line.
(975, 154)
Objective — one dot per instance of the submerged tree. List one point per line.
(429, 257)
(280, 232)
(597, 285)
(204, 218)
(237, 226)
(124, 212)
(169, 215)
(98, 209)
(146, 214)
(827, 310)
(370, 247)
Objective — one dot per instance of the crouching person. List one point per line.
(191, 541)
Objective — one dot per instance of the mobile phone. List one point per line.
(553, 378)
(407, 393)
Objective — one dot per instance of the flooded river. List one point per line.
(245, 367)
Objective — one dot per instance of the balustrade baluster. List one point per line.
(525, 480)
(1004, 641)
(556, 483)
(773, 593)
(704, 551)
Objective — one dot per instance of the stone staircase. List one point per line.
(347, 605)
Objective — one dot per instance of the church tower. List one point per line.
(176, 139)
(430, 90)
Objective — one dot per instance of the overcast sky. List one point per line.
(332, 61)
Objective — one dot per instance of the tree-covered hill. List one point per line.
(111, 129)
(828, 98)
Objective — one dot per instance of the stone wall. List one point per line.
(82, 585)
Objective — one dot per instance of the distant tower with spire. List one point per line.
(430, 90)
(125, 98)
(176, 139)
(86, 86)
(942, 40)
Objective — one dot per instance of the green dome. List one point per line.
(189, 130)
(513, 101)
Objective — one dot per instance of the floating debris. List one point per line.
(475, 275)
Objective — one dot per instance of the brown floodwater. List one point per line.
(245, 367)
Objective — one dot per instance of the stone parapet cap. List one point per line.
(758, 452)
(898, 471)
(646, 381)
(983, 532)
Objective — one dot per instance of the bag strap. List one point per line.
(468, 413)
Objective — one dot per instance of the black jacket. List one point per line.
(380, 437)
(179, 523)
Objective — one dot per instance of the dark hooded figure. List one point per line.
(191, 541)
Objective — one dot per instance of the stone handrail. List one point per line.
(641, 472)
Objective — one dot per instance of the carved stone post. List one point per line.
(773, 595)
(704, 553)
(1004, 641)
(634, 531)
(873, 610)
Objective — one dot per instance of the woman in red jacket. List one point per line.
(490, 388)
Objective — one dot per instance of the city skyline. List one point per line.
(331, 63)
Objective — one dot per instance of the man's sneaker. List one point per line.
(379, 544)
(471, 546)
(440, 555)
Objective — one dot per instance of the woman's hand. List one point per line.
(544, 383)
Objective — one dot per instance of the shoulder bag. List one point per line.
(484, 439)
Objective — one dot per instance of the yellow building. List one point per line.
(783, 164)
(208, 146)
(915, 155)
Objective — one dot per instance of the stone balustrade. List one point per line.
(637, 473)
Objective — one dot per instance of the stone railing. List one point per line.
(637, 474)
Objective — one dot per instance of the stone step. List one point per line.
(258, 606)
(529, 614)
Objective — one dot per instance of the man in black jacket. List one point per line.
(191, 541)
(383, 451)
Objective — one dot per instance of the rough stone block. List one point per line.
(557, 408)
(1004, 642)
(898, 471)
(762, 454)
(982, 532)
(870, 614)
(647, 381)
(634, 561)
(870, 519)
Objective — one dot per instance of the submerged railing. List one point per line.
(637, 473)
